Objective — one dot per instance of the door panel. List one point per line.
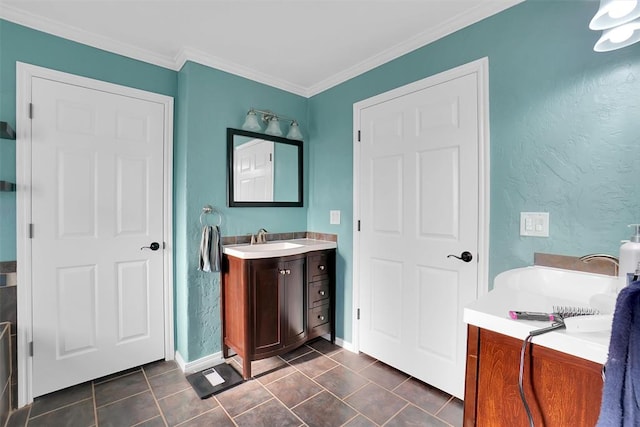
(93, 208)
(76, 311)
(418, 203)
(386, 299)
(132, 177)
(438, 185)
(133, 301)
(437, 299)
(77, 202)
(386, 175)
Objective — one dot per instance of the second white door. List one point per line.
(418, 201)
(253, 171)
(97, 207)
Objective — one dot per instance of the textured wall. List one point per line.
(564, 134)
(211, 101)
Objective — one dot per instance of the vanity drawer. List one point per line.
(318, 267)
(319, 316)
(319, 293)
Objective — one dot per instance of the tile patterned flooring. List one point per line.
(318, 384)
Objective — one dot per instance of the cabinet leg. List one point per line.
(225, 351)
(246, 368)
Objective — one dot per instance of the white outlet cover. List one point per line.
(334, 217)
(534, 224)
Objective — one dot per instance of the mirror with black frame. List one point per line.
(263, 170)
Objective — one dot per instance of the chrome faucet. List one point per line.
(605, 257)
(261, 236)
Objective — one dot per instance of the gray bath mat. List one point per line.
(214, 380)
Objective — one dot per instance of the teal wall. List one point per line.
(18, 43)
(564, 134)
(211, 101)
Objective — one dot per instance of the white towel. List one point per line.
(210, 249)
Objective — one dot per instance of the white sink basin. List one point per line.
(277, 248)
(273, 246)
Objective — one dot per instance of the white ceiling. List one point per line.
(302, 46)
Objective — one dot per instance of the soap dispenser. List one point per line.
(630, 254)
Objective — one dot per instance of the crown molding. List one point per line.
(470, 17)
(202, 58)
(75, 34)
(479, 12)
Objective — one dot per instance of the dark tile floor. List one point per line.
(319, 384)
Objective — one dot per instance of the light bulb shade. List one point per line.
(613, 13)
(251, 122)
(294, 131)
(274, 127)
(619, 37)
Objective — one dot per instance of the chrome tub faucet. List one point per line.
(605, 257)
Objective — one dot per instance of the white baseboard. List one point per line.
(215, 358)
(340, 342)
(198, 364)
(344, 344)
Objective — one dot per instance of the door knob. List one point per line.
(464, 256)
(154, 246)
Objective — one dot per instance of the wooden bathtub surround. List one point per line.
(561, 389)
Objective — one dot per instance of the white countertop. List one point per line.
(491, 312)
(263, 250)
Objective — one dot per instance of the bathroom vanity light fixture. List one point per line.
(251, 123)
(619, 21)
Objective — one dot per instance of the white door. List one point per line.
(97, 200)
(418, 202)
(253, 171)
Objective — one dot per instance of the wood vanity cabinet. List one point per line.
(273, 305)
(561, 389)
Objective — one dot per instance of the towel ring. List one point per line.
(207, 210)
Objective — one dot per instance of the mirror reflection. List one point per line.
(263, 170)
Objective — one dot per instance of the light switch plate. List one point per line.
(534, 224)
(334, 217)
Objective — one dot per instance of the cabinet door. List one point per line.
(294, 316)
(267, 298)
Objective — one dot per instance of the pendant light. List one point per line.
(274, 127)
(613, 13)
(251, 122)
(294, 131)
(619, 37)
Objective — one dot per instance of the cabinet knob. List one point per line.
(288, 271)
(322, 267)
(323, 293)
(321, 317)
(283, 272)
